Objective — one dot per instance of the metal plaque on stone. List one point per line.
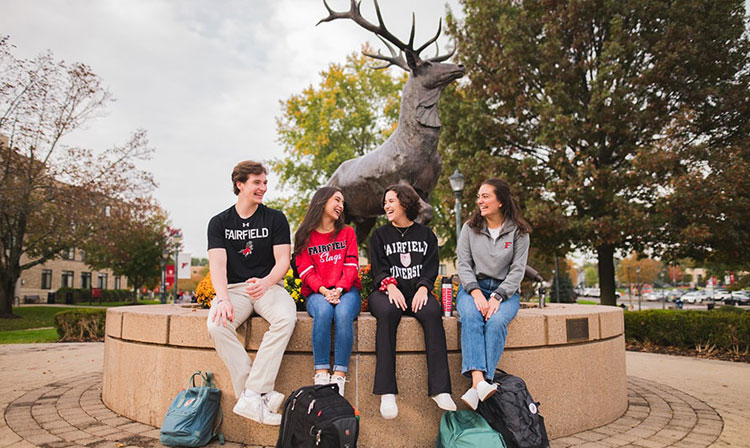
(577, 329)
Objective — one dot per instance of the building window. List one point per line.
(46, 278)
(67, 279)
(83, 256)
(117, 282)
(69, 254)
(102, 281)
(85, 280)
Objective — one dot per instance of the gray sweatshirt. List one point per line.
(504, 259)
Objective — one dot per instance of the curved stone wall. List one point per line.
(571, 356)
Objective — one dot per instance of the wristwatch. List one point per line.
(496, 296)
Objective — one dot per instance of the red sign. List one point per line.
(96, 293)
(170, 276)
(731, 278)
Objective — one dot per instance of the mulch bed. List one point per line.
(722, 355)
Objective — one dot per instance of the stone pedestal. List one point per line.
(571, 356)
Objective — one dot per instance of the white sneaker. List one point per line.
(340, 381)
(485, 390)
(322, 378)
(444, 401)
(273, 400)
(388, 407)
(255, 409)
(471, 398)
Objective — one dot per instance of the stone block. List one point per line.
(188, 329)
(611, 321)
(557, 317)
(528, 331)
(147, 324)
(113, 322)
(409, 338)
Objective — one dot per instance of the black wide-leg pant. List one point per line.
(388, 317)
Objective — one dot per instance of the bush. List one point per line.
(726, 330)
(567, 292)
(81, 325)
(84, 295)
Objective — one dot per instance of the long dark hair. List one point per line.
(509, 208)
(313, 216)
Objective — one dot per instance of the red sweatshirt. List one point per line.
(329, 262)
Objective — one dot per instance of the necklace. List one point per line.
(406, 229)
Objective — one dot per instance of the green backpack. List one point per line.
(459, 429)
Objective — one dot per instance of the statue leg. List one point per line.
(363, 227)
(425, 212)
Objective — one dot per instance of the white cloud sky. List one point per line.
(204, 78)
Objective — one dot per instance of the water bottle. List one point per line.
(446, 289)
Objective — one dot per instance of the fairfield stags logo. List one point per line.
(507, 245)
(248, 249)
(405, 260)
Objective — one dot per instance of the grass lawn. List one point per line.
(44, 316)
(587, 302)
(29, 336)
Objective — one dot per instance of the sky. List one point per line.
(203, 78)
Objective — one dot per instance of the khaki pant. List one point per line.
(278, 308)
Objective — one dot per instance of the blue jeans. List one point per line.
(343, 314)
(482, 342)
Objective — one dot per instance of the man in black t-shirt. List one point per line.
(249, 248)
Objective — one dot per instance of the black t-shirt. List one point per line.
(248, 242)
(411, 258)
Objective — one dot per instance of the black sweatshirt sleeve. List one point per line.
(380, 265)
(431, 262)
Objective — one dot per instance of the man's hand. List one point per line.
(396, 297)
(256, 287)
(420, 299)
(223, 312)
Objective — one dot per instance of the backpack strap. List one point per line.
(218, 434)
(191, 381)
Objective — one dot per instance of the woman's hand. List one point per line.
(396, 297)
(333, 296)
(420, 299)
(223, 312)
(492, 306)
(480, 302)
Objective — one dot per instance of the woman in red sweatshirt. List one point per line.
(326, 255)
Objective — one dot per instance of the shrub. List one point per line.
(567, 292)
(81, 325)
(726, 330)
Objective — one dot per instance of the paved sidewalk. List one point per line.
(51, 397)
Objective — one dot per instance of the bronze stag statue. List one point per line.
(410, 154)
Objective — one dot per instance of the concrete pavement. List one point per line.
(50, 396)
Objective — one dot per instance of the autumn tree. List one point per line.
(52, 197)
(635, 269)
(351, 112)
(133, 244)
(600, 111)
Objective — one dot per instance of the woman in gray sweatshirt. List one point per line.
(492, 252)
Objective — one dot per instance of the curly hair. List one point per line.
(407, 197)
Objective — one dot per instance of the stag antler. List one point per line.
(380, 30)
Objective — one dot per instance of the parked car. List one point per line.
(674, 294)
(695, 297)
(721, 294)
(738, 298)
(655, 296)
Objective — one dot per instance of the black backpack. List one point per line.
(317, 416)
(513, 413)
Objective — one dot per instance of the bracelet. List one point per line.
(386, 281)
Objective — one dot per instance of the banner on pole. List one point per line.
(183, 261)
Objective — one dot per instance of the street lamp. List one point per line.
(457, 185)
(177, 240)
(638, 285)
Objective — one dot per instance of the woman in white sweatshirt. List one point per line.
(492, 252)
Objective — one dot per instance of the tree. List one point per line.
(567, 293)
(351, 112)
(133, 245)
(603, 104)
(634, 269)
(52, 197)
(591, 274)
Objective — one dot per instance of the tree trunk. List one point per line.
(7, 292)
(606, 256)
